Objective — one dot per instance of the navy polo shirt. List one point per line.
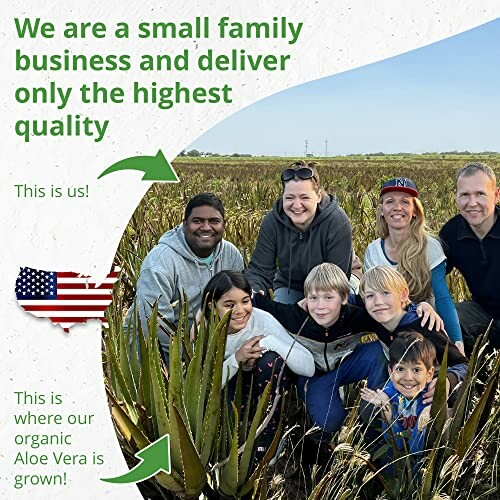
(478, 260)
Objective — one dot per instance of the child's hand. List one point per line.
(430, 317)
(377, 398)
(250, 350)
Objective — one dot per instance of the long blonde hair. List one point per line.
(412, 252)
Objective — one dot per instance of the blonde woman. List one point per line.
(405, 244)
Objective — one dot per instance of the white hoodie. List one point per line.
(277, 339)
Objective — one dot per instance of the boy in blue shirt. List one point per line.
(386, 298)
(412, 359)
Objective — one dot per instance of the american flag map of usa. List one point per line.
(65, 298)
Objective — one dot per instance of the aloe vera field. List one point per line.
(212, 449)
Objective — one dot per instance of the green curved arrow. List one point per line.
(155, 168)
(153, 459)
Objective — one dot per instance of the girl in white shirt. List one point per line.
(256, 341)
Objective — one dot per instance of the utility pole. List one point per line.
(326, 148)
(307, 144)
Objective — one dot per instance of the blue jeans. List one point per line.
(288, 295)
(321, 392)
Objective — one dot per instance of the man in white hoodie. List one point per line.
(184, 260)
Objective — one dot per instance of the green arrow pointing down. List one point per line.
(155, 168)
(153, 459)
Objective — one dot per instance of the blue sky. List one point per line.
(442, 97)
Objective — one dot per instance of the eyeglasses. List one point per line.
(303, 173)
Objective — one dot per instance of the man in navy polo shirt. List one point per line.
(471, 242)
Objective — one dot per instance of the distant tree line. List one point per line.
(429, 153)
(196, 153)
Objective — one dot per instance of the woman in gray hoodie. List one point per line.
(306, 227)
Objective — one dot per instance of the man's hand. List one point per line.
(430, 317)
(429, 395)
(250, 350)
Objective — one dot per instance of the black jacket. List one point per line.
(477, 260)
(327, 345)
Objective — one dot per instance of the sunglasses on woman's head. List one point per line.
(303, 173)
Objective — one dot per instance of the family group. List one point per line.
(322, 305)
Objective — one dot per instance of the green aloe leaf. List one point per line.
(184, 321)
(176, 382)
(229, 474)
(428, 479)
(215, 330)
(213, 408)
(191, 395)
(463, 400)
(197, 363)
(248, 406)
(145, 395)
(382, 451)
(170, 483)
(494, 379)
(133, 338)
(121, 381)
(129, 430)
(124, 360)
(195, 476)
(175, 444)
(133, 434)
(246, 457)
(467, 435)
(439, 401)
(260, 469)
(158, 395)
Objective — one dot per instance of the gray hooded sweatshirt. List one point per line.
(170, 268)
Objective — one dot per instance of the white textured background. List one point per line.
(83, 234)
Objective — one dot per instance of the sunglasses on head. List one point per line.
(303, 173)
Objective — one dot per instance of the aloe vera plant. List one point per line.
(209, 451)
